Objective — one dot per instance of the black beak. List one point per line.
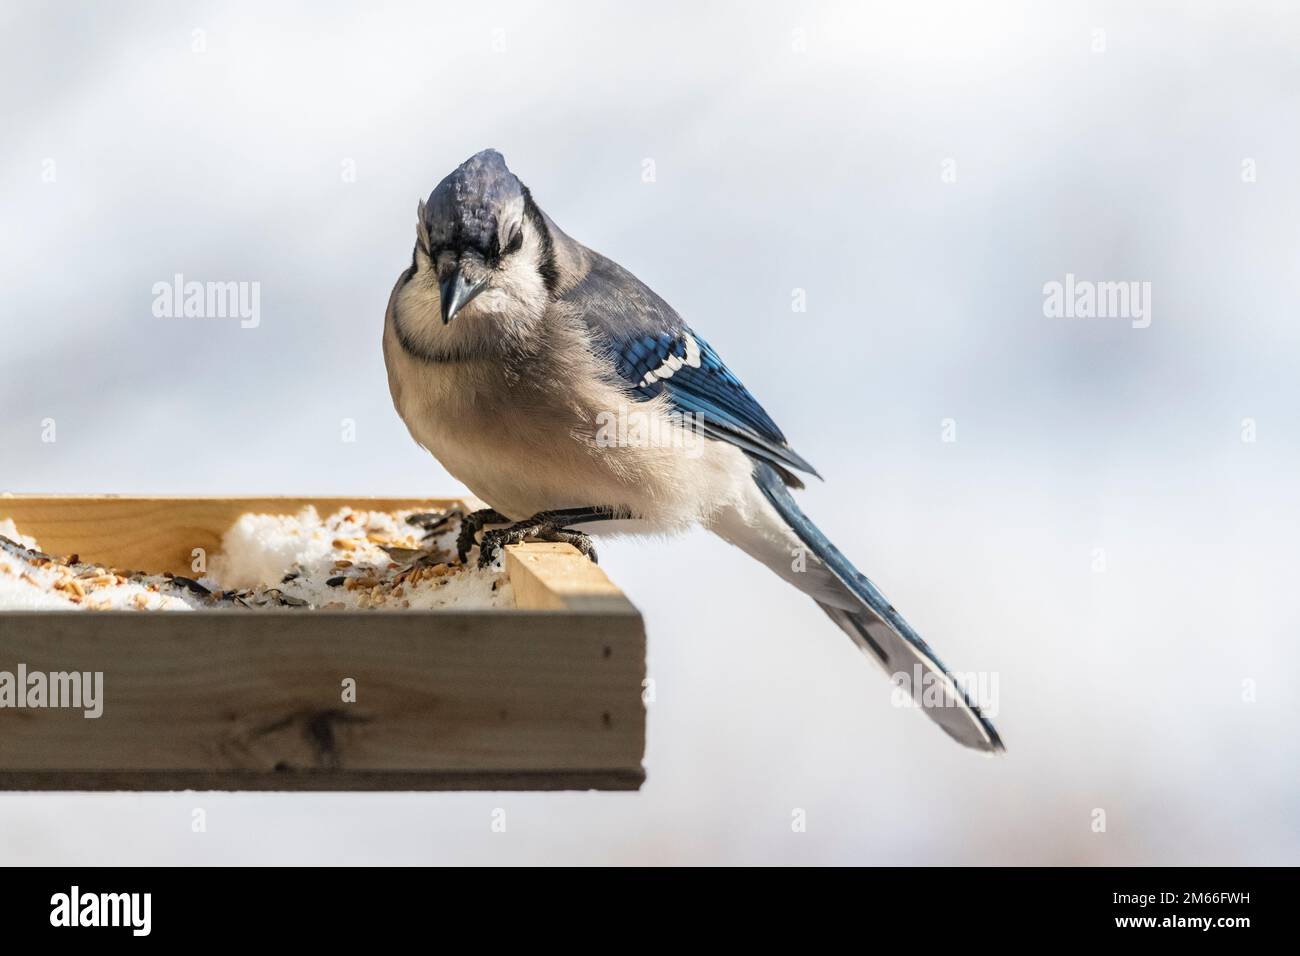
(456, 293)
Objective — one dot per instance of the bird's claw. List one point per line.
(496, 539)
(470, 525)
(578, 539)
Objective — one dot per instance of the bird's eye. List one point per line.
(515, 244)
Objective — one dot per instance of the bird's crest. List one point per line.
(466, 210)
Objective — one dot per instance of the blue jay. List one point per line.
(511, 351)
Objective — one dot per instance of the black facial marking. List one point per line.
(546, 266)
(410, 270)
(432, 356)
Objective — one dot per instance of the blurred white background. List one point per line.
(795, 146)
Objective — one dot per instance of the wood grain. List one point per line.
(545, 576)
(159, 534)
(320, 780)
(486, 694)
(544, 697)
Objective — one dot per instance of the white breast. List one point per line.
(553, 434)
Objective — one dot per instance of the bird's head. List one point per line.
(483, 246)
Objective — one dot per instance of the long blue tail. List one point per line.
(880, 631)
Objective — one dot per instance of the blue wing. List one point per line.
(656, 353)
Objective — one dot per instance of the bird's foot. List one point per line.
(544, 527)
(578, 539)
(470, 525)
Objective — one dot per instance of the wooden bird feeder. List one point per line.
(545, 696)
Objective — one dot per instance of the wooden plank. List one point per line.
(159, 534)
(253, 701)
(542, 698)
(320, 780)
(553, 576)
